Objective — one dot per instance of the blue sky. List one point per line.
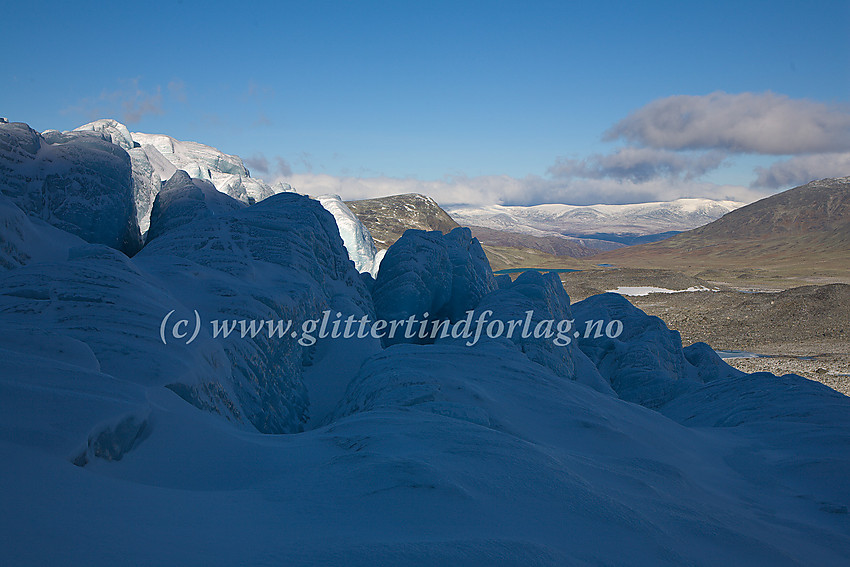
(470, 101)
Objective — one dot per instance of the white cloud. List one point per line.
(765, 123)
(177, 90)
(138, 103)
(639, 164)
(283, 167)
(260, 164)
(257, 163)
(802, 169)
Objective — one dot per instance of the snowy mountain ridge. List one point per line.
(579, 220)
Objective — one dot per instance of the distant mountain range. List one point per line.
(538, 235)
(388, 217)
(617, 223)
(804, 226)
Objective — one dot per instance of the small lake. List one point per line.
(542, 270)
(724, 354)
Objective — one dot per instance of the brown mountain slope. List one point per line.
(553, 245)
(388, 217)
(801, 232)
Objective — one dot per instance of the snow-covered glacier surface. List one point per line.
(255, 449)
(156, 157)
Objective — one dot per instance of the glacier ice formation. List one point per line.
(254, 448)
(356, 237)
(58, 176)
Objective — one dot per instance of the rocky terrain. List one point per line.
(781, 266)
(388, 217)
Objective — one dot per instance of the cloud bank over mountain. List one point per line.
(765, 123)
(800, 169)
(815, 135)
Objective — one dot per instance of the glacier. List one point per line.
(429, 272)
(355, 236)
(156, 158)
(628, 449)
(57, 177)
(226, 172)
(111, 130)
(29, 239)
(147, 164)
